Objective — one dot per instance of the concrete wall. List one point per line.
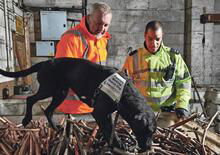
(130, 18)
(52, 3)
(216, 48)
(129, 21)
(205, 57)
(188, 33)
(7, 25)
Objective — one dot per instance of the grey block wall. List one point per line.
(7, 25)
(129, 21)
(3, 56)
(205, 57)
(216, 48)
(128, 24)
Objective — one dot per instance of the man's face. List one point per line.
(153, 39)
(99, 23)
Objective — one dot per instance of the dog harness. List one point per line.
(113, 86)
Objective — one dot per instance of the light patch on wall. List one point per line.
(5, 79)
(19, 25)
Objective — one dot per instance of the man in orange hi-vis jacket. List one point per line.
(87, 40)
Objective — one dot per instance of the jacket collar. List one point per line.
(85, 31)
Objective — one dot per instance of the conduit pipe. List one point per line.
(6, 33)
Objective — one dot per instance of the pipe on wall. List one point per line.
(51, 3)
(9, 37)
(6, 32)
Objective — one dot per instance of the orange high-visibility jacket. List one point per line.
(78, 42)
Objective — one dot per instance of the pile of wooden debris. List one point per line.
(84, 138)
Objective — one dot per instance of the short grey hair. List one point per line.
(102, 7)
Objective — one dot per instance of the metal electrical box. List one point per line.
(45, 48)
(53, 24)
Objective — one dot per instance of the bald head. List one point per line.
(153, 25)
(153, 36)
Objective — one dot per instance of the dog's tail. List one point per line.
(22, 73)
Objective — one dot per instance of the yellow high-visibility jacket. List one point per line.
(148, 70)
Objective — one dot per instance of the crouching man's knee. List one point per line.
(166, 119)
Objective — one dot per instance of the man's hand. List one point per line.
(182, 113)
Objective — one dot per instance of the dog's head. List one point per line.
(139, 115)
(145, 126)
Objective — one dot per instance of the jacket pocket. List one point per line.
(167, 83)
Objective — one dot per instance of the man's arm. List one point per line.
(128, 66)
(182, 84)
(68, 47)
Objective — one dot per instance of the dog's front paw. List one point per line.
(26, 121)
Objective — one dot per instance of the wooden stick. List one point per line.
(120, 151)
(8, 121)
(6, 151)
(92, 137)
(31, 144)
(3, 120)
(17, 129)
(193, 116)
(24, 145)
(79, 142)
(205, 131)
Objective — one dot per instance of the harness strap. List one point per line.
(99, 89)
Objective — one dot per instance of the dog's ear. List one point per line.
(142, 119)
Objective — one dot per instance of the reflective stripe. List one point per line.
(156, 100)
(136, 66)
(141, 71)
(154, 84)
(101, 63)
(148, 70)
(143, 83)
(159, 100)
(137, 70)
(184, 85)
(78, 33)
(72, 97)
(185, 75)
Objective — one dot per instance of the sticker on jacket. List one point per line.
(113, 86)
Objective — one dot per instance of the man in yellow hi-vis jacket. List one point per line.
(161, 75)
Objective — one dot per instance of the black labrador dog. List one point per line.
(56, 76)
